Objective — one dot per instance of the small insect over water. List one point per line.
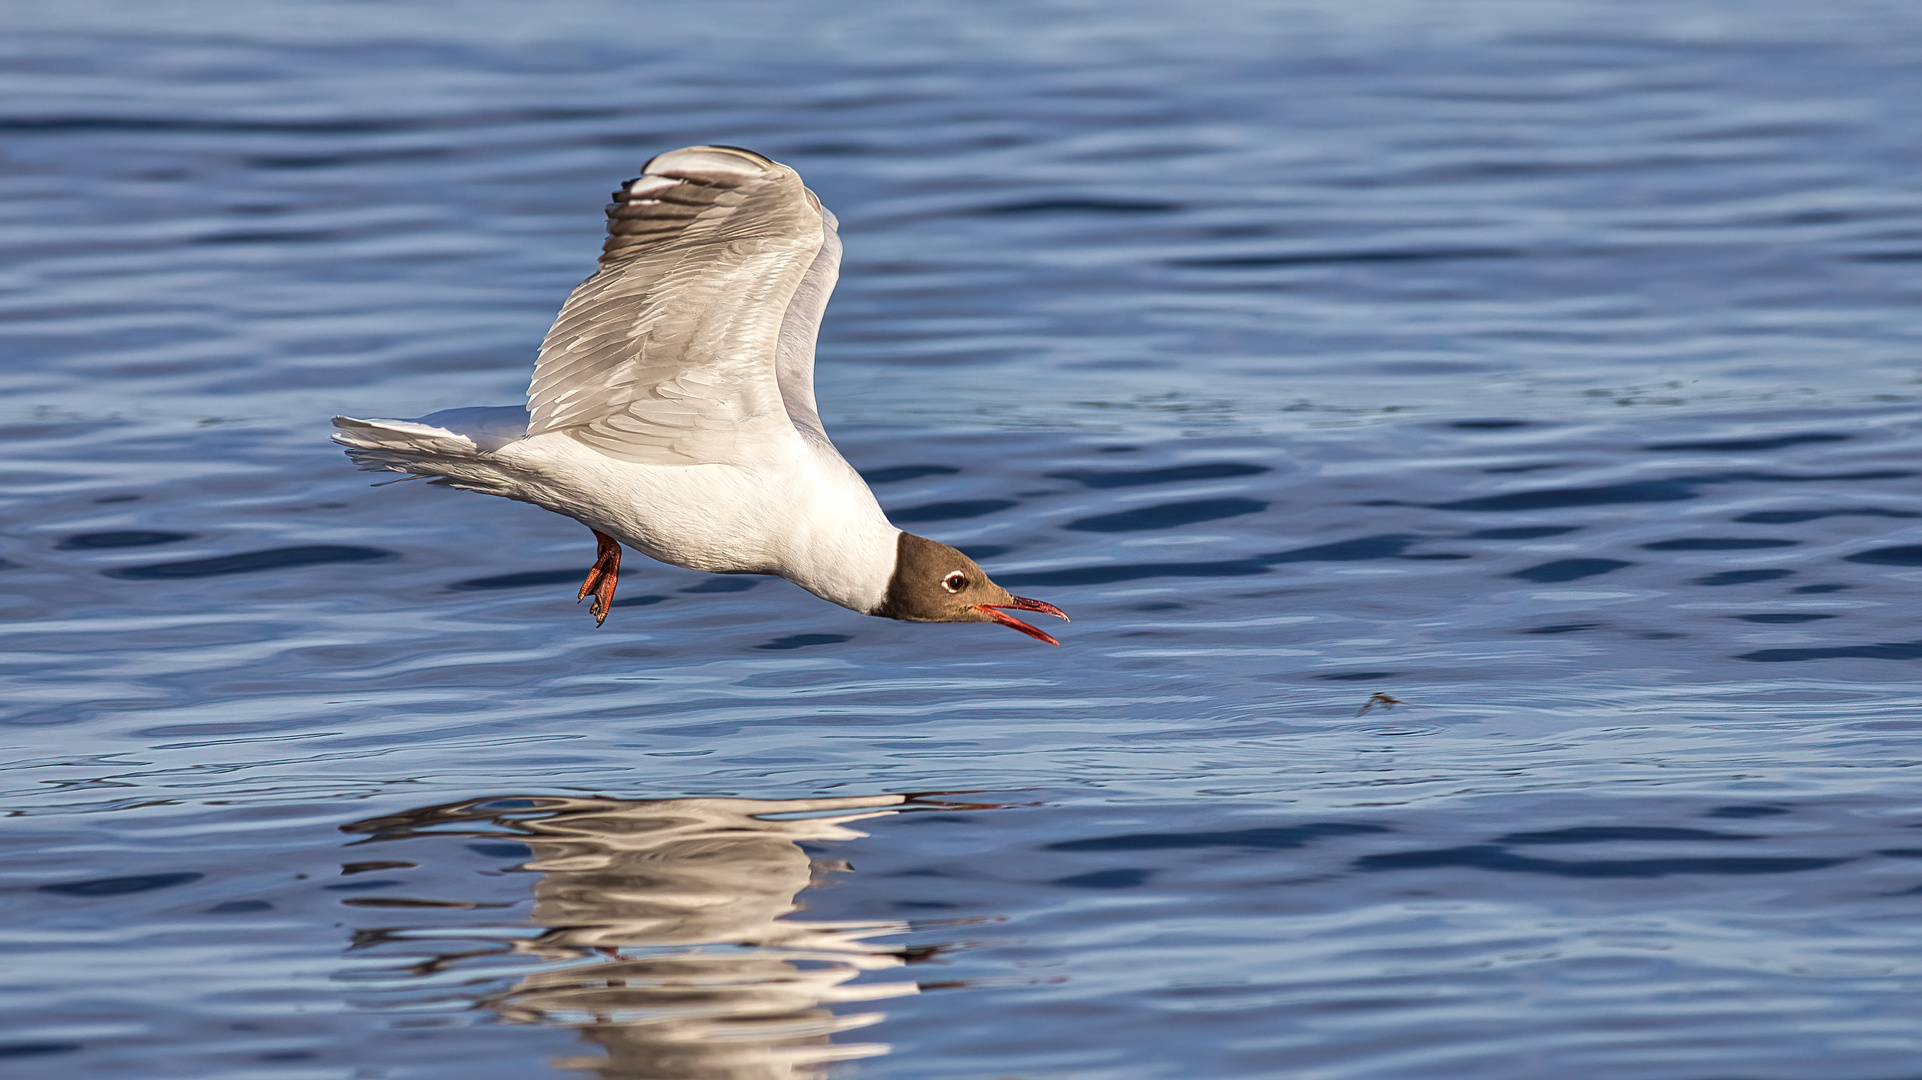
(1380, 699)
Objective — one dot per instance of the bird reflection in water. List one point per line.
(677, 907)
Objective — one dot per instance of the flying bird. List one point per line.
(672, 407)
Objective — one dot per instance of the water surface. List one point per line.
(1547, 369)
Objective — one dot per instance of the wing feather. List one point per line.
(794, 358)
(671, 353)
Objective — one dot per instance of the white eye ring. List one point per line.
(955, 581)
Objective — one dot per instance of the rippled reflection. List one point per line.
(674, 915)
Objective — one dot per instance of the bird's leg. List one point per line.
(602, 578)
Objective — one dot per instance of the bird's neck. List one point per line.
(842, 548)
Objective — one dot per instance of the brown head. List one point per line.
(932, 582)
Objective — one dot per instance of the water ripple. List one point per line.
(1476, 445)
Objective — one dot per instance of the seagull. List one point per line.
(672, 408)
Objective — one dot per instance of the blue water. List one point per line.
(1550, 369)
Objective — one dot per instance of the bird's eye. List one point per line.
(955, 581)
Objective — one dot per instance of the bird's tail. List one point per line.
(454, 446)
(446, 437)
(408, 446)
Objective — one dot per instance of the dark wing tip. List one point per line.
(673, 190)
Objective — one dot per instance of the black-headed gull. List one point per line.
(672, 407)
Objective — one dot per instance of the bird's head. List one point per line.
(933, 582)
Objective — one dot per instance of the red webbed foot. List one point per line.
(602, 578)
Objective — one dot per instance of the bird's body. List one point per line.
(826, 533)
(672, 407)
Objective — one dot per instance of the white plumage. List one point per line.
(672, 405)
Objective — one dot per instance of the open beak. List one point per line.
(1022, 603)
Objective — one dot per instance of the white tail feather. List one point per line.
(400, 445)
(455, 446)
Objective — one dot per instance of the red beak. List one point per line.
(1022, 603)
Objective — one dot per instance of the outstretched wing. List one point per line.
(794, 360)
(678, 350)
